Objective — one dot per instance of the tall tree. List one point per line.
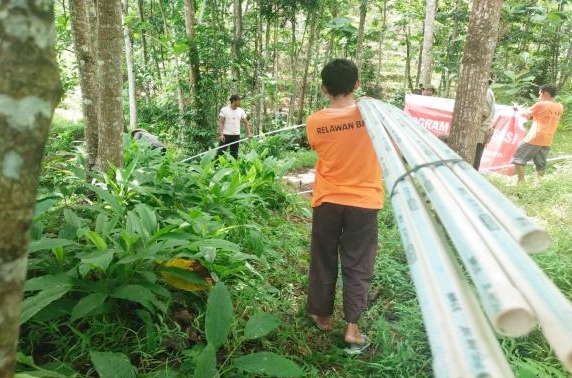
(84, 32)
(110, 57)
(29, 91)
(128, 37)
(361, 29)
(427, 52)
(475, 72)
(237, 41)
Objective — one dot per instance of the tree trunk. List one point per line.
(237, 41)
(475, 72)
(144, 51)
(83, 31)
(190, 22)
(313, 21)
(29, 91)
(110, 38)
(128, 37)
(427, 58)
(359, 46)
(179, 90)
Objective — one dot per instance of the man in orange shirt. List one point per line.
(545, 114)
(346, 198)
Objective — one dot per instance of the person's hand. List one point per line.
(221, 137)
(249, 134)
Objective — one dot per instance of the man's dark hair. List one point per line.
(234, 97)
(551, 89)
(339, 77)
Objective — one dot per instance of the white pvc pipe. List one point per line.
(479, 352)
(506, 308)
(529, 235)
(262, 135)
(553, 309)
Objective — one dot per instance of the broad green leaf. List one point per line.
(42, 282)
(72, 218)
(33, 304)
(87, 305)
(100, 222)
(48, 243)
(206, 363)
(260, 324)
(112, 365)
(96, 240)
(100, 260)
(268, 364)
(108, 197)
(43, 206)
(219, 316)
(133, 225)
(147, 217)
(136, 293)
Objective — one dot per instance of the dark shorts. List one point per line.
(526, 152)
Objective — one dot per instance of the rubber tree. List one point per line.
(29, 92)
(475, 72)
(84, 32)
(427, 51)
(110, 59)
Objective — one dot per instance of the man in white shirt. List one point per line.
(229, 120)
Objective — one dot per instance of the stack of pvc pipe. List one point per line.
(491, 237)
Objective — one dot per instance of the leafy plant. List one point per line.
(219, 320)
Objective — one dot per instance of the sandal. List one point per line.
(321, 326)
(358, 348)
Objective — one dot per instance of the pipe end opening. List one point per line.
(535, 241)
(515, 323)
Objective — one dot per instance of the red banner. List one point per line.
(435, 114)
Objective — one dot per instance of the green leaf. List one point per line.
(43, 206)
(42, 282)
(219, 316)
(48, 243)
(108, 197)
(147, 217)
(87, 305)
(32, 305)
(268, 364)
(72, 218)
(100, 260)
(138, 294)
(112, 365)
(96, 240)
(206, 363)
(260, 324)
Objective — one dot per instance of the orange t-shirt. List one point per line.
(545, 115)
(347, 171)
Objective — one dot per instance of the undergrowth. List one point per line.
(101, 297)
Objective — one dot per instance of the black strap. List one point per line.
(418, 167)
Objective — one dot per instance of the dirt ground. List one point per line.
(301, 181)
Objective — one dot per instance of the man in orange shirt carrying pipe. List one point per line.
(346, 198)
(545, 114)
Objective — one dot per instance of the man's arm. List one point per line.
(247, 125)
(220, 128)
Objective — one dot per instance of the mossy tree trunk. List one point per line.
(29, 91)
